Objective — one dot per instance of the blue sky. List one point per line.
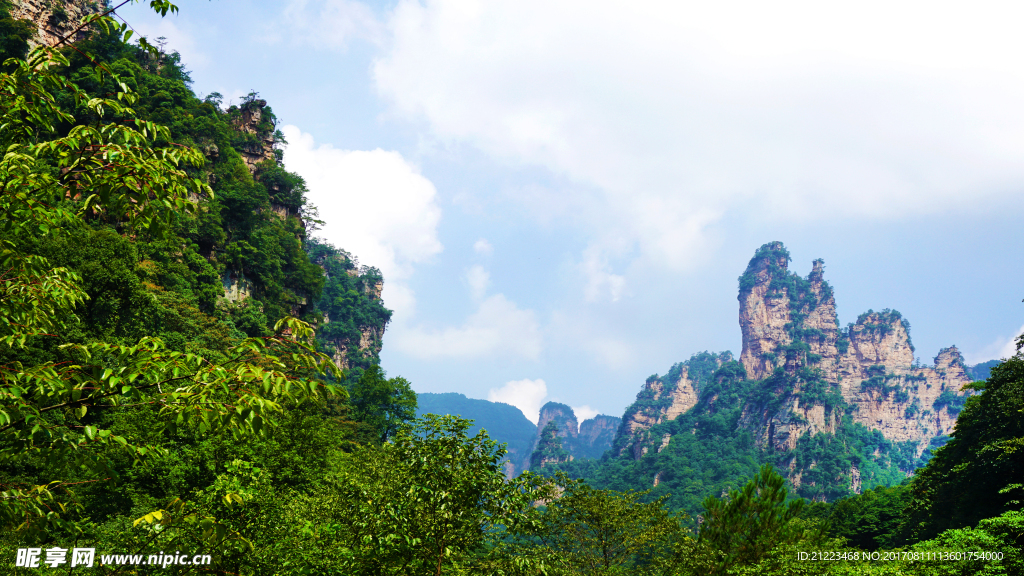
(561, 195)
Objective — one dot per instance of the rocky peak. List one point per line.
(250, 120)
(663, 398)
(591, 439)
(880, 339)
(562, 415)
(596, 435)
(805, 374)
(549, 449)
(785, 320)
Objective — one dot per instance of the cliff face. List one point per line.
(597, 434)
(549, 449)
(790, 323)
(663, 399)
(54, 19)
(359, 338)
(587, 440)
(799, 376)
(252, 122)
(563, 417)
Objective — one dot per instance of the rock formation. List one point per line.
(789, 323)
(663, 399)
(54, 19)
(558, 422)
(596, 435)
(250, 121)
(804, 374)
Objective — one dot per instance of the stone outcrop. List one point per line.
(54, 19)
(349, 350)
(810, 372)
(663, 399)
(596, 435)
(590, 439)
(549, 449)
(250, 121)
(563, 417)
(790, 323)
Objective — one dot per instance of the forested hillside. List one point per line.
(190, 382)
(503, 423)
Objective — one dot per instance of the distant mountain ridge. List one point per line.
(503, 422)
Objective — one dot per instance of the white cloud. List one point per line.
(483, 247)
(478, 280)
(332, 23)
(600, 282)
(527, 395)
(377, 206)
(584, 412)
(680, 113)
(497, 327)
(1000, 348)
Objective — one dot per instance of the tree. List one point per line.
(979, 473)
(385, 404)
(428, 501)
(588, 531)
(750, 522)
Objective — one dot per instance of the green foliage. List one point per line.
(983, 370)
(772, 256)
(350, 303)
(951, 401)
(14, 34)
(588, 531)
(870, 520)
(881, 323)
(503, 422)
(972, 476)
(383, 404)
(431, 499)
(123, 175)
(751, 522)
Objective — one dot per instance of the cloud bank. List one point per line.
(527, 395)
(681, 113)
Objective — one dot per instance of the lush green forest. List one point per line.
(148, 417)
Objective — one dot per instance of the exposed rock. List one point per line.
(562, 415)
(789, 322)
(54, 19)
(591, 439)
(663, 399)
(549, 448)
(371, 340)
(236, 287)
(596, 436)
(262, 146)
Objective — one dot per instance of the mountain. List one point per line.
(503, 422)
(245, 259)
(561, 439)
(838, 410)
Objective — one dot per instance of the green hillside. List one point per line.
(502, 422)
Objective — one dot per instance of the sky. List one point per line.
(562, 194)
